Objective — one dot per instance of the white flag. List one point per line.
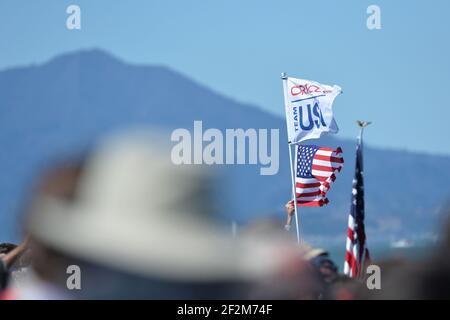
(309, 109)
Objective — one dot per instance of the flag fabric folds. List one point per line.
(316, 170)
(308, 106)
(357, 254)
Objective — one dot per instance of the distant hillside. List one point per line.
(51, 109)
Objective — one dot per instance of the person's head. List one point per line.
(326, 267)
(292, 276)
(294, 279)
(319, 259)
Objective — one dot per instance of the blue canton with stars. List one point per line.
(305, 156)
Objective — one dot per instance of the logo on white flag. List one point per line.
(309, 109)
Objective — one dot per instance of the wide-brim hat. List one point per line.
(308, 252)
(135, 210)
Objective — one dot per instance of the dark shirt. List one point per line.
(4, 275)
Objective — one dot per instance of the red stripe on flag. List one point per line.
(350, 233)
(349, 257)
(323, 168)
(318, 203)
(328, 158)
(351, 260)
(309, 194)
(320, 178)
(307, 185)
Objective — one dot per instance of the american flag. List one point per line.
(316, 170)
(357, 254)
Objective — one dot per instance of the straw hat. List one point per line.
(308, 252)
(137, 211)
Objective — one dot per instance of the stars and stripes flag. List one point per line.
(316, 170)
(357, 254)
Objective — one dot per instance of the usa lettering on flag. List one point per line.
(316, 170)
(309, 109)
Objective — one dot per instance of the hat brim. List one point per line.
(184, 248)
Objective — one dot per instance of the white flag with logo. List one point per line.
(309, 109)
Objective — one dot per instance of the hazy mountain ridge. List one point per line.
(50, 109)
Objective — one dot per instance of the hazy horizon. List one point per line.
(216, 90)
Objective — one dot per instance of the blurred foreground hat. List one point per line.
(308, 252)
(135, 210)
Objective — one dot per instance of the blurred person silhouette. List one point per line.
(47, 263)
(398, 281)
(321, 261)
(10, 261)
(344, 288)
(424, 279)
(5, 248)
(293, 277)
(128, 194)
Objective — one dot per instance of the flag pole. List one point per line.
(284, 78)
(297, 229)
(362, 125)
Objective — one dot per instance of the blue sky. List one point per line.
(397, 76)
